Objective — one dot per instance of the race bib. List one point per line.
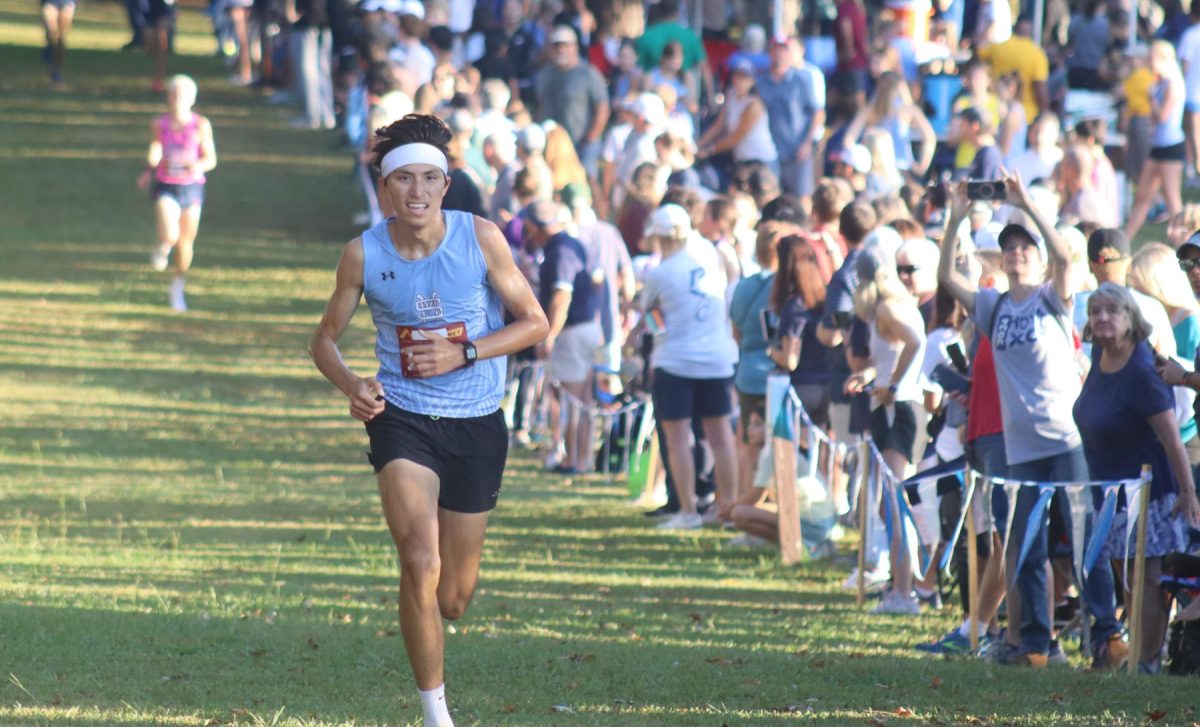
(409, 336)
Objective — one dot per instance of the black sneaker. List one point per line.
(663, 511)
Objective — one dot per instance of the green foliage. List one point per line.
(189, 532)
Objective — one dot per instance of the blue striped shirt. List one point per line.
(447, 292)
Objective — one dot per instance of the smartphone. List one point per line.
(958, 358)
(770, 328)
(949, 379)
(988, 191)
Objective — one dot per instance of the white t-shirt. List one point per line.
(1189, 58)
(689, 289)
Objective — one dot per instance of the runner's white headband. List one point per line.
(407, 154)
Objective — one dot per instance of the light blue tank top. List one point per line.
(447, 292)
(1169, 132)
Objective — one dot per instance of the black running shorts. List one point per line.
(467, 455)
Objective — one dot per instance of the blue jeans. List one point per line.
(1098, 593)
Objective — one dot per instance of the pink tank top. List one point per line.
(180, 149)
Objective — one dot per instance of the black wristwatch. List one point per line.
(469, 353)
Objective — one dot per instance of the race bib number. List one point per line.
(409, 336)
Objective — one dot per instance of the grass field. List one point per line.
(189, 533)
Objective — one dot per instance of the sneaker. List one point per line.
(1110, 655)
(952, 644)
(998, 651)
(933, 599)
(874, 579)
(1021, 657)
(236, 80)
(746, 540)
(56, 78)
(896, 603)
(1056, 655)
(682, 521)
(158, 257)
(710, 516)
(564, 469)
(661, 511)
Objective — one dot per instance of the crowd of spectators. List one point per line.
(856, 197)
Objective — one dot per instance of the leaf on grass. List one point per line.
(301, 537)
(818, 664)
(312, 643)
(581, 657)
(725, 661)
(173, 678)
(1057, 698)
(903, 712)
(385, 633)
(572, 686)
(1155, 715)
(881, 685)
(935, 682)
(508, 708)
(802, 651)
(257, 653)
(563, 709)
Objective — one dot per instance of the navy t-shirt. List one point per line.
(565, 265)
(987, 165)
(1111, 414)
(838, 310)
(796, 321)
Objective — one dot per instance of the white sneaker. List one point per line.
(748, 541)
(873, 580)
(710, 516)
(175, 296)
(158, 257)
(682, 521)
(896, 603)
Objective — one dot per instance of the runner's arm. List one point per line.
(208, 150)
(529, 326)
(364, 393)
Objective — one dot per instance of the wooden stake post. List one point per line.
(1139, 572)
(783, 459)
(972, 563)
(864, 482)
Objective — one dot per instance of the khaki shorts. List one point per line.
(574, 354)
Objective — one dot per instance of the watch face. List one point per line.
(469, 350)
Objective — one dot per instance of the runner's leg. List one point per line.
(460, 545)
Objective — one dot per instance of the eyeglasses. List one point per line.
(1188, 266)
(906, 269)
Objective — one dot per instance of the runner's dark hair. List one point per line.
(412, 129)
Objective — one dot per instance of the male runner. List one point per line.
(436, 283)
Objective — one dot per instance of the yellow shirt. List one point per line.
(964, 155)
(1137, 91)
(1022, 56)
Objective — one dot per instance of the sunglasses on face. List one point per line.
(906, 269)
(1188, 266)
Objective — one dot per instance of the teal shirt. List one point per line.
(750, 298)
(1187, 340)
(650, 45)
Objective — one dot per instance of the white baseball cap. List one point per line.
(670, 221)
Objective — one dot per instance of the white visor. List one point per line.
(407, 154)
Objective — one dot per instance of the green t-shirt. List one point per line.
(650, 45)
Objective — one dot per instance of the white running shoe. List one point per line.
(682, 521)
(748, 541)
(175, 296)
(873, 580)
(710, 516)
(897, 603)
(158, 257)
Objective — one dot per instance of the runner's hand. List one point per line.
(439, 356)
(143, 180)
(366, 399)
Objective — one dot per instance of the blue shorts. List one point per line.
(678, 397)
(60, 4)
(185, 195)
